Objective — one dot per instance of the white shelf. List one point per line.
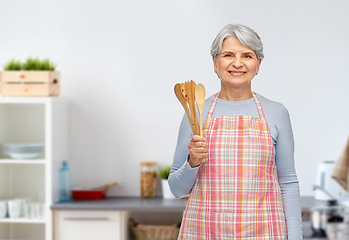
(22, 220)
(32, 120)
(14, 161)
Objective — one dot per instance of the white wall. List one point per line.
(121, 59)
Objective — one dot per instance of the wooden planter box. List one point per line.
(30, 83)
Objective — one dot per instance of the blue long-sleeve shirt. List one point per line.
(281, 132)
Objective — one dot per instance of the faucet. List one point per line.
(330, 202)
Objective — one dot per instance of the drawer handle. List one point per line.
(86, 218)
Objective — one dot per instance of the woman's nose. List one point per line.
(237, 62)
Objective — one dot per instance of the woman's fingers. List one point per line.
(197, 138)
(198, 149)
(197, 142)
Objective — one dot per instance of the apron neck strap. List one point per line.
(259, 106)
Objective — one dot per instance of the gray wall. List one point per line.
(121, 59)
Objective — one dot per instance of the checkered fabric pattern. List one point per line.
(236, 194)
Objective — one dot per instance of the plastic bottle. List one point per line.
(64, 183)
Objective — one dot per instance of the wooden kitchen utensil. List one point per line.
(188, 98)
(187, 93)
(200, 100)
(192, 85)
(105, 187)
(190, 103)
(188, 90)
(183, 101)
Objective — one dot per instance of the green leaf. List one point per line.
(165, 172)
(31, 64)
(13, 65)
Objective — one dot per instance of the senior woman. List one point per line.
(248, 187)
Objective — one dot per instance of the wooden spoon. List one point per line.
(184, 87)
(187, 93)
(190, 92)
(200, 101)
(183, 101)
(195, 118)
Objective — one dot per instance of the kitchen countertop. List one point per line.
(146, 204)
(160, 204)
(124, 204)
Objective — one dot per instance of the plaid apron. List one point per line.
(236, 194)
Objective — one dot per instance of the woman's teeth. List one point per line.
(237, 73)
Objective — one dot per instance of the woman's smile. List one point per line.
(237, 73)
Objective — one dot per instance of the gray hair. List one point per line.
(247, 36)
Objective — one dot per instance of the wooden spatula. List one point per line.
(183, 101)
(187, 93)
(192, 86)
(188, 96)
(200, 100)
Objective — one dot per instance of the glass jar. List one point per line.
(148, 179)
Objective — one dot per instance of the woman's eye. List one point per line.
(247, 56)
(228, 55)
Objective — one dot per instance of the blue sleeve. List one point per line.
(182, 177)
(288, 181)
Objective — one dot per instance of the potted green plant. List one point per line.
(33, 77)
(164, 173)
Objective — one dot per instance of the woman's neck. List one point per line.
(235, 94)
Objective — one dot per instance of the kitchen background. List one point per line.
(120, 60)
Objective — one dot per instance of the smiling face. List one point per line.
(236, 66)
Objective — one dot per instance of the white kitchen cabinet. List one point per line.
(142, 210)
(32, 120)
(88, 225)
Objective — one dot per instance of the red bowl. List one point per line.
(88, 194)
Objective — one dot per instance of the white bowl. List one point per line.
(23, 151)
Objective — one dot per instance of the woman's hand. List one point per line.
(198, 149)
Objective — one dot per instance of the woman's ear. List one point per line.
(214, 64)
(258, 65)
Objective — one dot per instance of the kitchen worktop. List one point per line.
(165, 205)
(123, 204)
(151, 204)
